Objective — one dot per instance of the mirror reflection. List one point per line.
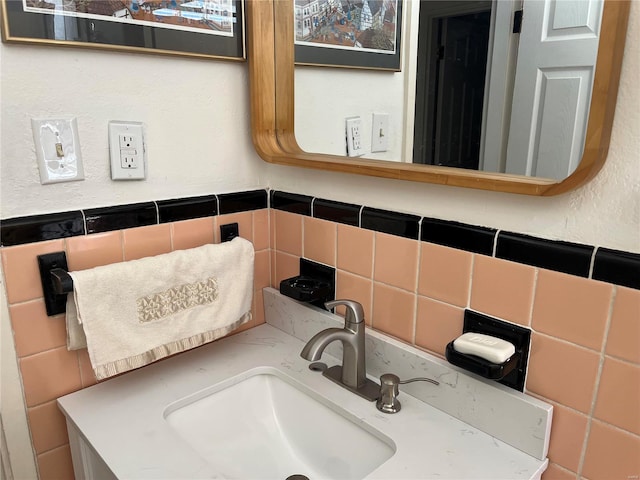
(497, 86)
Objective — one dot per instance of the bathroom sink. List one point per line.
(262, 424)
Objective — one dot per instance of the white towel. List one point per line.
(136, 312)
(76, 338)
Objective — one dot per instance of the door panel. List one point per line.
(554, 72)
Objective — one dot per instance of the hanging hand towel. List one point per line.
(136, 312)
(75, 333)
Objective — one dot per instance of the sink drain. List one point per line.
(297, 476)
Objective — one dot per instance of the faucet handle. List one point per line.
(388, 399)
(355, 312)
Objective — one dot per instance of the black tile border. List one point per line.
(565, 257)
(615, 266)
(393, 223)
(458, 235)
(187, 208)
(242, 201)
(291, 202)
(612, 266)
(339, 212)
(38, 228)
(120, 217)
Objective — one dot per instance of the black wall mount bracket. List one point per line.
(56, 281)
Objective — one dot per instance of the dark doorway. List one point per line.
(451, 72)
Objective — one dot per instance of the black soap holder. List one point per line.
(305, 289)
(316, 284)
(480, 366)
(512, 372)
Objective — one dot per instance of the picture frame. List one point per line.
(361, 34)
(193, 28)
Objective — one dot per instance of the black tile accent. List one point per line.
(36, 228)
(242, 201)
(315, 270)
(228, 232)
(565, 257)
(121, 216)
(615, 266)
(336, 211)
(401, 224)
(54, 302)
(187, 208)
(458, 235)
(291, 202)
(519, 336)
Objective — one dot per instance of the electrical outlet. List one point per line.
(126, 150)
(380, 132)
(354, 137)
(128, 160)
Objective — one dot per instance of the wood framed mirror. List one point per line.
(270, 47)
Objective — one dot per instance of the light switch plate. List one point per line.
(380, 132)
(57, 149)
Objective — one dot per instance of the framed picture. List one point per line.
(348, 33)
(198, 28)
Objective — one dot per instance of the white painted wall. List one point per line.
(605, 212)
(195, 112)
(206, 102)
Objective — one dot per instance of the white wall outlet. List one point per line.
(380, 132)
(354, 137)
(126, 151)
(57, 149)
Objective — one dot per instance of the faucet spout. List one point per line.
(352, 374)
(312, 351)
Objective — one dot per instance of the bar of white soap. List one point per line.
(490, 348)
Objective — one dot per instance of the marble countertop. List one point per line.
(123, 418)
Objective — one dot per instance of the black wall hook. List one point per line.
(56, 281)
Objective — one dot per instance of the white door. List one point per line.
(552, 90)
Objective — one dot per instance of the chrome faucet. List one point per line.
(352, 374)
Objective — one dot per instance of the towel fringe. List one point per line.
(125, 364)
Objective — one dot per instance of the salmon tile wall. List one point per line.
(585, 353)
(48, 370)
(584, 360)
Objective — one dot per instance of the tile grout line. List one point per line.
(531, 329)
(417, 284)
(536, 277)
(155, 204)
(51, 449)
(371, 276)
(592, 262)
(558, 339)
(84, 222)
(596, 387)
(122, 249)
(494, 250)
(471, 275)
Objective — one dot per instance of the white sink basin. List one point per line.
(264, 425)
